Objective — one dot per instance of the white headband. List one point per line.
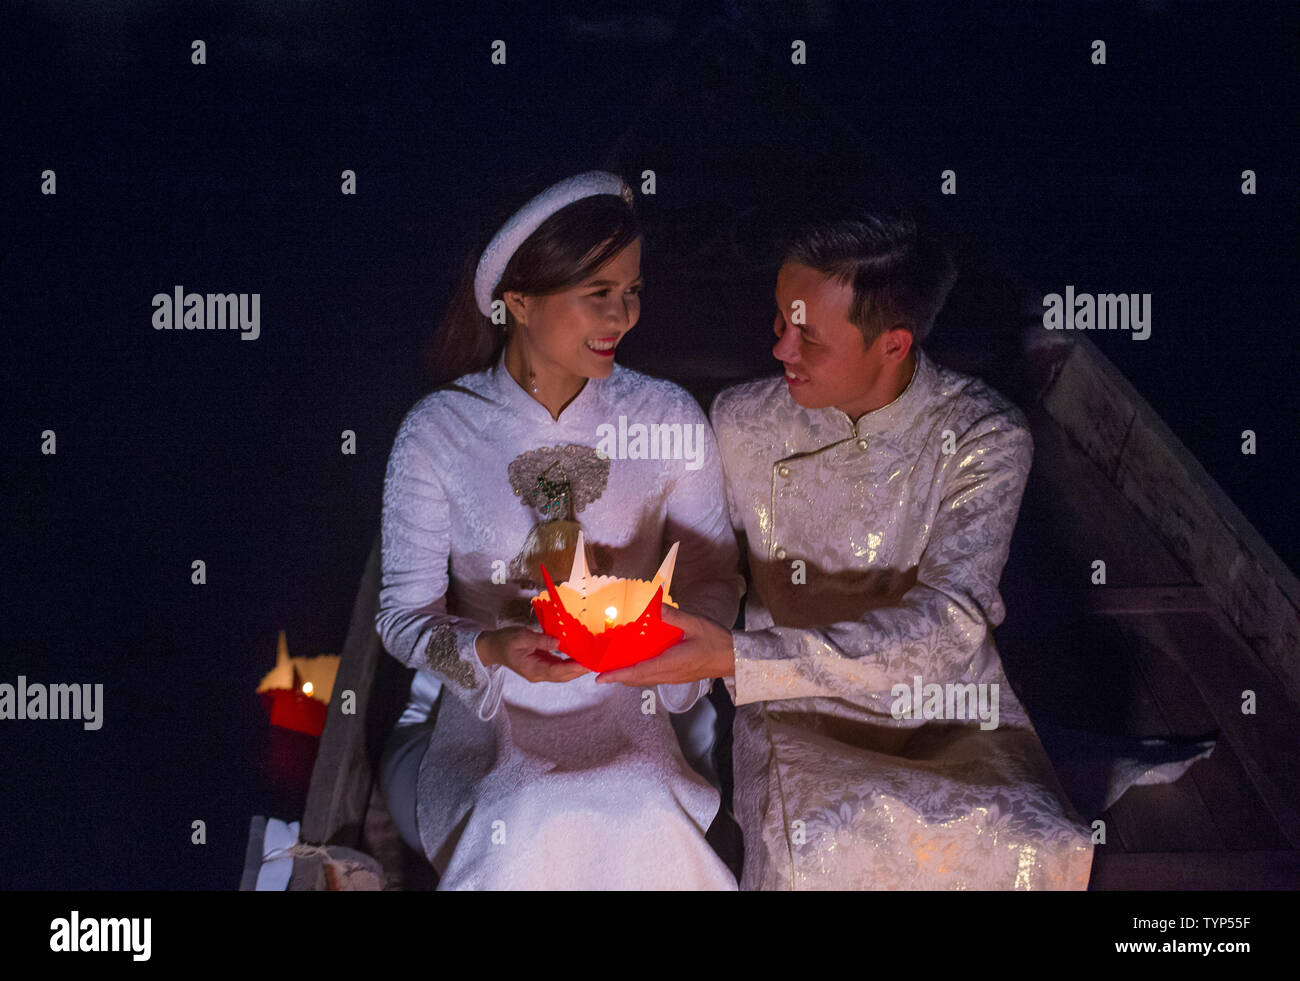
(526, 220)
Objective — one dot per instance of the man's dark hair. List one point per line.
(899, 272)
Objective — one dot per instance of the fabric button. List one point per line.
(780, 553)
(783, 471)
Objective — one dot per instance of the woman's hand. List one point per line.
(526, 652)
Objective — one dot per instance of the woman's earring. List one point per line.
(532, 382)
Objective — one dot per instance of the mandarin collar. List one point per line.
(888, 417)
(521, 402)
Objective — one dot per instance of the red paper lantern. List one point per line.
(297, 690)
(291, 709)
(603, 622)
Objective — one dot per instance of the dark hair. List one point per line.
(564, 250)
(898, 271)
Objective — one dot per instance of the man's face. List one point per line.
(827, 362)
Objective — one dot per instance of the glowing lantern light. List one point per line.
(583, 614)
(297, 690)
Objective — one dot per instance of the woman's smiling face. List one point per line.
(575, 331)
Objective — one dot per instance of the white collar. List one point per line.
(897, 413)
(513, 395)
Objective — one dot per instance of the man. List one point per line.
(878, 744)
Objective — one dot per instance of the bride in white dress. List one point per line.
(511, 766)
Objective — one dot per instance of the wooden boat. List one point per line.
(1196, 609)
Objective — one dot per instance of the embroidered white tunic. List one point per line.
(875, 550)
(542, 785)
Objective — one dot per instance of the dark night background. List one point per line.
(176, 445)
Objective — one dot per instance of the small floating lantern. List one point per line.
(297, 690)
(603, 622)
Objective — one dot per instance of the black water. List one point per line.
(177, 445)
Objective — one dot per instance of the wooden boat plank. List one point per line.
(1238, 811)
(1171, 817)
(1221, 666)
(1165, 817)
(1136, 600)
(1092, 408)
(1182, 504)
(1112, 870)
(1054, 651)
(1155, 475)
(253, 853)
(1075, 515)
(342, 776)
(1242, 817)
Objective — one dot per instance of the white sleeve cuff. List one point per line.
(496, 679)
(680, 698)
(489, 679)
(758, 652)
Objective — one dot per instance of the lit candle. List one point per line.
(297, 690)
(611, 614)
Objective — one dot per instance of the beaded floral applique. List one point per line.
(442, 656)
(556, 482)
(559, 481)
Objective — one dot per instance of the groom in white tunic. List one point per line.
(878, 744)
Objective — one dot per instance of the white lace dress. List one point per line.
(573, 785)
(875, 549)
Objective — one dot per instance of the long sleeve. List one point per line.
(707, 580)
(941, 622)
(413, 621)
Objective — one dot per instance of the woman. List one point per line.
(511, 768)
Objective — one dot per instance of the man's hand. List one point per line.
(704, 652)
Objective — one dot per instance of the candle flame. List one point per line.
(611, 612)
(307, 688)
